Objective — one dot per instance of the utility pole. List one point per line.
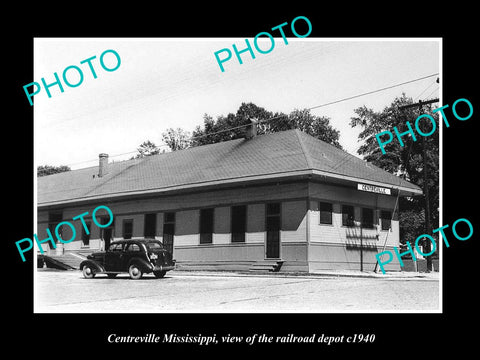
(425, 185)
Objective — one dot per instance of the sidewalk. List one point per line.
(400, 275)
(394, 275)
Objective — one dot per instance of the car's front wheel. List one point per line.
(135, 272)
(159, 274)
(88, 272)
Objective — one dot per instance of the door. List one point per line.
(169, 231)
(131, 250)
(107, 232)
(150, 226)
(114, 257)
(107, 236)
(273, 225)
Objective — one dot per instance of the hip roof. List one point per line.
(271, 156)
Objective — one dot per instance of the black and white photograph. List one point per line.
(240, 180)
(261, 186)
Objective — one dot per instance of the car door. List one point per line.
(132, 250)
(113, 257)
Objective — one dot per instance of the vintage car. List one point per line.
(137, 257)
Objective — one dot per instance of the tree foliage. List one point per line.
(176, 139)
(44, 170)
(406, 161)
(146, 148)
(214, 131)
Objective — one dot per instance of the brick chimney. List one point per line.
(251, 129)
(102, 164)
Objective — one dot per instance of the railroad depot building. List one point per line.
(286, 200)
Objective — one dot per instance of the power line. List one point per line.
(283, 115)
(428, 87)
(326, 104)
(374, 91)
(434, 90)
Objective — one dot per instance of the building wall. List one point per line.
(187, 247)
(335, 246)
(305, 243)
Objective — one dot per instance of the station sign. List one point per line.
(374, 189)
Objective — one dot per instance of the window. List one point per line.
(206, 226)
(116, 247)
(127, 230)
(239, 223)
(367, 218)
(273, 209)
(85, 236)
(348, 216)
(325, 213)
(386, 219)
(154, 245)
(133, 247)
(104, 220)
(150, 227)
(169, 217)
(53, 219)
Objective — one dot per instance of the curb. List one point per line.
(396, 276)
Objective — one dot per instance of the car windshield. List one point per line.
(154, 245)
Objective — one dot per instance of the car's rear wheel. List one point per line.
(88, 272)
(135, 272)
(159, 274)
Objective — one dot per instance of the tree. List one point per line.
(214, 130)
(406, 161)
(146, 148)
(176, 139)
(44, 170)
(316, 126)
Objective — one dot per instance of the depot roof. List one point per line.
(279, 155)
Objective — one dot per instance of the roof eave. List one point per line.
(404, 191)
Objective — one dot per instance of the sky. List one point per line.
(166, 83)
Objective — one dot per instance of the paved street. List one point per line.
(68, 291)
